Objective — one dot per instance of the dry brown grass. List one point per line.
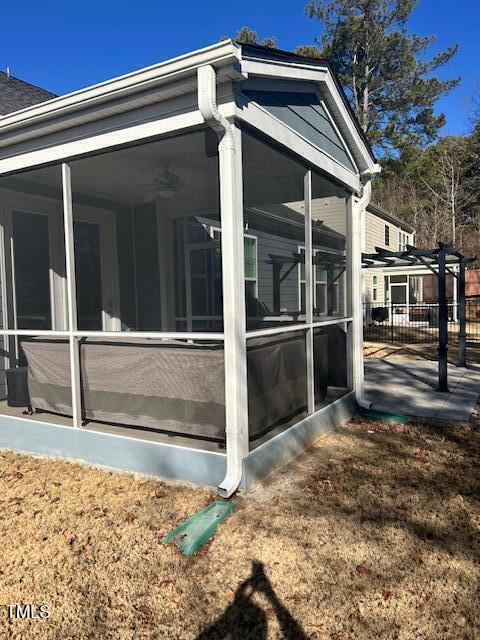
(394, 350)
(371, 534)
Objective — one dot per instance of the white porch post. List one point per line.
(309, 276)
(234, 314)
(355, 212)
(71, 297)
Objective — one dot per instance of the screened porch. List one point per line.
(117, 322)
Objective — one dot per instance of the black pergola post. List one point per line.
(276, 287)
(442, 324)
(462, 317)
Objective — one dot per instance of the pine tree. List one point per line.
(245, 35)
(383, 69)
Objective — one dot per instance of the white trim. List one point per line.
(337, 131)
(326, 323)
(155, 335)
(221, 53)
(309, 292)
(107, 140)
(371, 166)
(71, 297)
(271, 331)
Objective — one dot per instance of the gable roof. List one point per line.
(17, 94)
(280, 55)
(232, 63)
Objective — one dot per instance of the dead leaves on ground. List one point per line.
(363, 570)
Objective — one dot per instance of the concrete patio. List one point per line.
(409, 387)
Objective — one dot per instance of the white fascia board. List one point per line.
(322, 76)
(219, 55)
(275, 69)
(106, 140)
(260, 119)
(371, 166)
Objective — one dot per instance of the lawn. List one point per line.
(373, 533)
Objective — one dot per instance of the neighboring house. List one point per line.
(392, 286)
(16, 94)
(175, 250)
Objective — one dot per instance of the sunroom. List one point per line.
(180, 267)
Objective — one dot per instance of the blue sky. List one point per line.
(66, 45)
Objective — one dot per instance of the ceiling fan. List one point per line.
(165, 185)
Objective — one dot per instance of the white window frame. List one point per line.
(214, 229)
(57, 283)
(315, 282)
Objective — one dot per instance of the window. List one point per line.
(403, 240)
(374, 288)
(32, 203)
(250, 262)
(387, 235)
(319, 288)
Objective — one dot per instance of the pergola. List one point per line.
(439, 261)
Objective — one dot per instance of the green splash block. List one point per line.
(383, 416)
(192, 534)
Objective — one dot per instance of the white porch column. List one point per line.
(355, 212)
(309, 277)
(234, 314)
(71, 296)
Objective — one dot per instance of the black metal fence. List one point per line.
(417, 323)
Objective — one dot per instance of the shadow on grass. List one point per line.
(410, 473)
(245, 619)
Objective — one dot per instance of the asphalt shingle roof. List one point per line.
(16, 94)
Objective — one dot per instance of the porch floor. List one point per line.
(410, 387)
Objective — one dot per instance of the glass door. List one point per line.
(95, 253)
(37, 268)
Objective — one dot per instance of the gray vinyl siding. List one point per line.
(304, 113)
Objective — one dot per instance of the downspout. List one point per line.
(356, 212)
(229, 150)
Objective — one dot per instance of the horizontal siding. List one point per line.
(375, 237)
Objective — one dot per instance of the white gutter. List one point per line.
(221, 54)
(356, 211)
(230, 171)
